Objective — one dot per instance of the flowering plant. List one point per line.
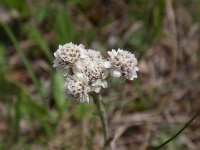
(86, 69)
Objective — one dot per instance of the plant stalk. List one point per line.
(103, 117)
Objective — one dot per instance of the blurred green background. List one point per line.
(35, 113)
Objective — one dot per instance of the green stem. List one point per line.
(179, 132)
(102, 114)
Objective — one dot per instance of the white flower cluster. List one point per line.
(123, 63)
(86, 69)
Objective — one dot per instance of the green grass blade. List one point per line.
(179, 132)
(140, 92)
(24, 58)
(58, 91)
(17, 117)
(31, 110)
(40, 113)
(64, 27)
(35, 34)
(4, 70)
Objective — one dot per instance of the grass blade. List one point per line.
(179, 132)
(64, 27)
(38, 39)
(24, 59)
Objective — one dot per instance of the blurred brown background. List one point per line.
(163, 34)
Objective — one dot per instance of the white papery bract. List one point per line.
(123, 64)
(87, 70)
(66, 55)
(94, 68)
(77, 88)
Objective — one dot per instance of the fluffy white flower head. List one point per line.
(123, 63)
(87, 69)
(78, 88)
(66, 55)
(93, 68)
(97, 57)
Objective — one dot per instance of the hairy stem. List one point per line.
(103, 117)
